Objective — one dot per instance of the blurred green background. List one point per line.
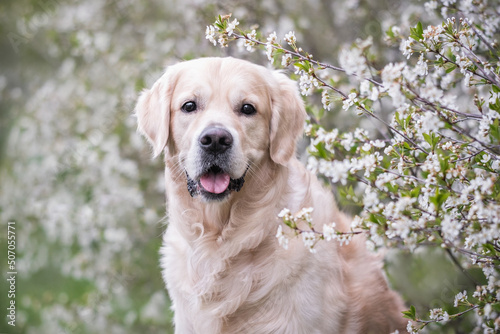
(78, 181)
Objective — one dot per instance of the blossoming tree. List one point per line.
(429, 175)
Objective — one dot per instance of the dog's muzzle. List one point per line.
(214, 182)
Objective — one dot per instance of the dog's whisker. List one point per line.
(255, 171)
(178, 170)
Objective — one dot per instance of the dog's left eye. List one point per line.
(248, 109)
(189, 106)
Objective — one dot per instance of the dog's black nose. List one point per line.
(215, 140)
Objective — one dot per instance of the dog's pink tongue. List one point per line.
(215, 183)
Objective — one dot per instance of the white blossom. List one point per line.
(307, 83)
(338, 171)
(305, 214)
(495, 165)
(368, 163)
(432, 164)
(464, 63)
(427, 123)
(433, 33)
(353, 62)
(285, 213)
(430, 6)
(421, 68)
(325, 100)
(347, 141)
(410, 73)
(356, 222)
(290, 38)
(360, 134)
(451, 227)
(309, 239)
(366, 147)
(223, 40)
(439, 315)
(378, 143)
(370, 199)
(249, 43)
(374, 95)
(271, 40)
(312, 164)
(210, 35)
(392, 72)
(231, 26)
(411, 328)
(391, 76)
(364, 88)
(406, 47)
(344, 238)
(385, 178)
(485, 158)
(286, 59)
(350, 101)
(488, 311)
(461, 297)
(431, 92)
(329, 232)
(282, 239)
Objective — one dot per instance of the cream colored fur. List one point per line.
(222, 264)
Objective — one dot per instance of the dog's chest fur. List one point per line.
(247, 293)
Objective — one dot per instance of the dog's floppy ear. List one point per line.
(153, 113)
(287, 119)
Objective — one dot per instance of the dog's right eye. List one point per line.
(189, 106)
(248, 109)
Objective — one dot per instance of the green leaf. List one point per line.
(322, 152)
(444, 164)
(495, 130)
(449, 67)
(407, 121)
(410, 314)
(417, 33)
(439, 198)
(389, 33)
(432, 138)
(277, 54)
(392, 188)
(420, 29)
(415, 192)
(489, 249)
(397, 117)
(304, 65)
(427, 138)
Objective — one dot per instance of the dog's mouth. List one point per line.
(214, 184)
(215, 180)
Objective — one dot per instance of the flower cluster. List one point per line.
(427, 173)
(301, 224)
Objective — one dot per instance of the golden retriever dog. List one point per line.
(228, 129)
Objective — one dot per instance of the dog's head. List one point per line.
(218, 117)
